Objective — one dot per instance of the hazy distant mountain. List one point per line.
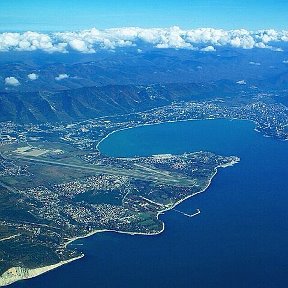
(37, 86)
(127, 66)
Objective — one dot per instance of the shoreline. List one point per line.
(255, 124)
(15, 274)
(10, 237)
(232, 163)
(173, 121)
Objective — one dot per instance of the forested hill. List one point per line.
(90, 102)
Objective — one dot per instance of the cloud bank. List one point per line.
(89, 41)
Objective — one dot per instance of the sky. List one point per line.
(62, 15)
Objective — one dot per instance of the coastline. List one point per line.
(175, 121)
(15, 274)
(232, 163)
(9, 238)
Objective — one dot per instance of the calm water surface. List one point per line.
(239, 239)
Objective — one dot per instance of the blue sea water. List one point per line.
(240, 239)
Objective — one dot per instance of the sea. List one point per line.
(240, 239)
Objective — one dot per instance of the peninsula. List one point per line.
(53, 193)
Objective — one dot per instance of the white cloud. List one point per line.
(80, 46)
(285, 61)
(89, 41)
(241, 82)
(208, 49)
(276, 49)
(12, 81)
(30, 41)
(255, 63)
(61, 77)
(33, 76)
